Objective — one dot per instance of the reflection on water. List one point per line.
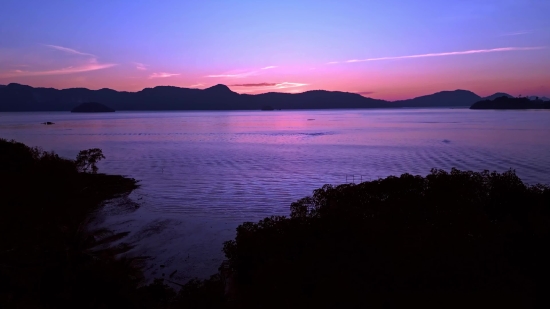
(202, 173)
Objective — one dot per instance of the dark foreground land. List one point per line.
(450, 239)
(505, 102)
(92, 107)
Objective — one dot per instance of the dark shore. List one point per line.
(92, 107)
(505, 102)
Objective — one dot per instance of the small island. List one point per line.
(511, 103)
(92, 107)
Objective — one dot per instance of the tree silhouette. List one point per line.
(86, 160)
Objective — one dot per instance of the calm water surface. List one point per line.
(203, 173)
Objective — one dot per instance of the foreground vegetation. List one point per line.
(447, 239)
(47, 256)
(450, 239)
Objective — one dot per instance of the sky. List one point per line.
(382, 49)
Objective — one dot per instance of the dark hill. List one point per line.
(219, 89)
(534, 98)
(497, 95)
(16, 97)
(92, 107)
(441, 99)
(316, 99)
(511, 103)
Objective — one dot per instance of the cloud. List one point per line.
(196, 85)
(163, 75)
(69, 50)
(333, 62)
(242, 74)
(285, 85)
(90, 63)
(455, 53)
(515, 33)
(141, 66)
(365, 92)
(239, 75)
(67, 70)
(254, 85)
(265, 87)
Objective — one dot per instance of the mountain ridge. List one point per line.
(18, 97)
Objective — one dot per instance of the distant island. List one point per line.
(21, 98)
(92, 107)
(505, 102)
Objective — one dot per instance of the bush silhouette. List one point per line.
(447, 239)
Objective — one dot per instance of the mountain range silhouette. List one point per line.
(17, 97)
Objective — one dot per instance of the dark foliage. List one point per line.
(445, 240)
(48, 259)
(506, 102)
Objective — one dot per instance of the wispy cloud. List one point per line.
(196, 85)
(455, 53)
(285, 85)
(68, 70)
(365, 92)
(141, 66)
(238, 75)
(333, 62)
(268, 87)
(241, 73)
(271, 86)
(69, 50)
(88, 63)
(162, 75)
(254, 85)
(516, 33)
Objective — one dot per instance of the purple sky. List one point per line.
(382, 49)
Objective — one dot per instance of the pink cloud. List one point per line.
(238, 75)
(67, 70)
(90, 64)
(141, 66)
(266, 87)
(163, 75)
(254, 85)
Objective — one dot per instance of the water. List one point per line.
(203, 173)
